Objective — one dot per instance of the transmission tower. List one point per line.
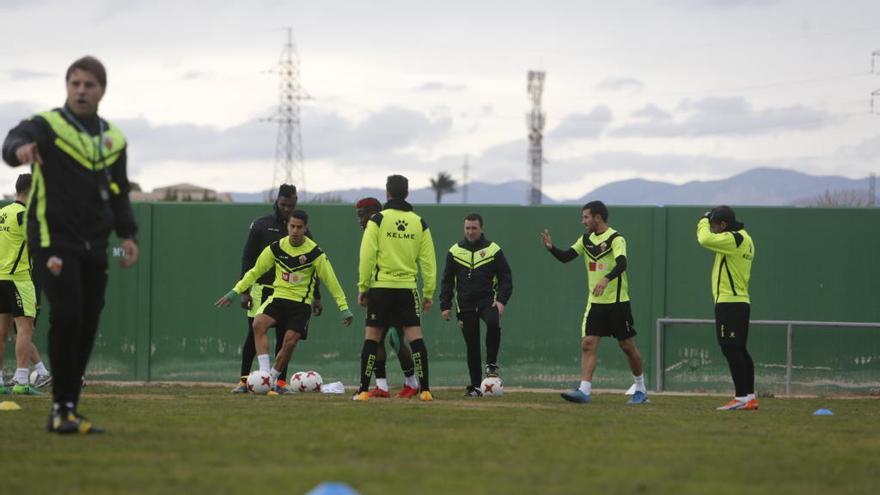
(464, 181)
(872, 190)
(875, 69)
(289, 167)
(535, 123)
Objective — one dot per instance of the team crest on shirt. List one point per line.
(303, 259)
(482, 253)
(603, 246)
(108, 142)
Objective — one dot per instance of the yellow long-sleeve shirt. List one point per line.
(296, 268)
(396, 246)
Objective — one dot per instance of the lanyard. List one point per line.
(105, 195)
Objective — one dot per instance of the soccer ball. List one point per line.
(259, 382)
(492, 387)
(306, 381)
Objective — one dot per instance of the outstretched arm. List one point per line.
(563, 256)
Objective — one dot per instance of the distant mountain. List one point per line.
(758, 187)
(514, 192)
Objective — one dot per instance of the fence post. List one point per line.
(789, 348)
(658, 360)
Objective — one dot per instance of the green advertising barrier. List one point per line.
(160, 322)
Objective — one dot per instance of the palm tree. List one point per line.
(444, 183)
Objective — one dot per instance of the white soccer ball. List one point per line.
(259, 382)
(296, 381)
(306, 381)
(492, 386)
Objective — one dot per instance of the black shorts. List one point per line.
(609, 320)
(732, 323)
(392, 307)
(18, 298)
(289, 315)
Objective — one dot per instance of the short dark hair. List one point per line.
(23, 183)
(597, 208)
(287, 190)
(91, 65)
(300, 214)
(474, 216)
(397, 186)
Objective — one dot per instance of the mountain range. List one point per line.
(758, 187)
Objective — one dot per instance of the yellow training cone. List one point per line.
(8, 405)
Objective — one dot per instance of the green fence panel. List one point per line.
(159, 322)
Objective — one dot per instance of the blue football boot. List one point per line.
(639, 397)
(576, 396)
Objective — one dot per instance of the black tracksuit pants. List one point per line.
(75, 291)
(470, 330)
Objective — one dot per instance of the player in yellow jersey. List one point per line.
(298, 263)
(18, 298)
(720, 232)
(396, 248)
(366, 208)
(608, 310)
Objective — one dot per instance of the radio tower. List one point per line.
(535, 123)
(289, 167)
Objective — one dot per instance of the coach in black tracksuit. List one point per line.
(264, 231)
(78, 196)
(477, 271)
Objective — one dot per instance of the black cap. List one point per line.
(725, 214)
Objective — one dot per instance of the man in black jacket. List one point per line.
(477, 271)
(79, 195)
(264, 231)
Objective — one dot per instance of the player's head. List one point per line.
(595, 215)
(397, 187)
(366, 208)
(722, 218)
(473, 226)
(297, 224)
(285, 203)
(86, 82)
(23, 185)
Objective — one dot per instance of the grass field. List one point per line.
(198, 440)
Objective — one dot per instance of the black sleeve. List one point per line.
(28, 131)
(505, 278)
(251, 248)
(123, 216)
(619, 268)
(563, 256)
(447, 284)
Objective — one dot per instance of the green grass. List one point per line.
(204, 440)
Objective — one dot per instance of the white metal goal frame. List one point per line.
(659, 365)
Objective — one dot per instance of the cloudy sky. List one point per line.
(672, 90)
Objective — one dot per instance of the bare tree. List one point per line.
(444, 183)
(841, 199)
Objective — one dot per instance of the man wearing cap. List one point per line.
(720, 232)
(264, 231)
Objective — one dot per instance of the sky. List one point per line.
(675, 90)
